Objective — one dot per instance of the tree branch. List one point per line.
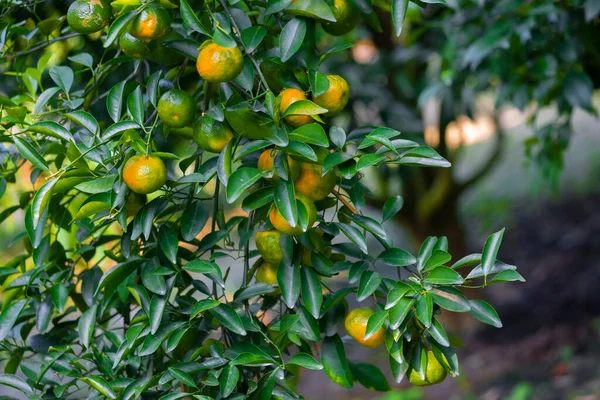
(41, 46)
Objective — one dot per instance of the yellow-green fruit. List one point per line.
(279, 222)
(212, 135)
(267, 273)
(89, 16)
(134, 203)
(176, 108)
(133, 47)
(144, 174)
(218, 64)
(152, 22)
(312, 184)
(269, 246)
(356, 326)
(346, 18)
(267, 159)
(335, 97)
(435, 372)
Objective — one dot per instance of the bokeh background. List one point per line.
(502, 176)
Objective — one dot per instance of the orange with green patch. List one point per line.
(218, 64)
(144, 174)
(288, 97)
(89, 16)
(152, 22)
(176, 108)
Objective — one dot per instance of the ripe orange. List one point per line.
(269, 246)
(356, 326)
(336, 97)
(152, 22)
(435, 372)
(212, 135)
(218, 64)
(279, 222)
(288, 97)
(176, 108)
(267, 158)
(267, 273)
(311, 184)
(144, 174)
(346, 18)
(89, 16)
(133, 47)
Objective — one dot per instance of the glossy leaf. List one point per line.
(335, 363)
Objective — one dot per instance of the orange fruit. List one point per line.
(89, 16)
(435, 372)
(336, 97)
(212, 135)
(269, 246)
(176, 108)
(311, 184)
(218, 64)
(279, 222)
(356, 326)
(267, 158)
(346, 18)
(144, 174)
(133, 47)
(288, 97)
(152, 22)
(267, 273)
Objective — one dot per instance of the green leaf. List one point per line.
(485, 313)
(338, 137)
(285, 201)
(253, 36)
(451, 299)
(60, 295)
(41, 200)
(578, 89)
(99, 185)
(114, 101)
(251, 291)
(135, 106)
(291, 38)
(312, 294)
(467, 261)
(169, 243)
(117, 274)
(86, 326)
(335, 363)
(399, 8)
(63, 77)
(370, 225)
(84, 59)
(258, 198)
(397, 293)
(31, 154)
(157, 308)
(311, 134)
(228, 380)
(391, 207)
(51, 128)
(424, 309)
(288, 278)
(396, 257)
(317, 9)
(182, 376)
(9, 316)
(100, 385)
(225, 162)
(190, 19)
(398, 369)
(152, 88)
(15, 382)
(438, 257)
(43, 99)
(208, 268)
(398, 313)
(318, 82)
(240, 181)
(490, 251)
(370, 376)
(152, 281)
(354, 235)
(368, 160)
(304, 107)
(305, 360)
(333, 160)
(444, 276)
(508, 275)
(85, 119)
(117, 27)
(229, 319)
(119, 127)
(425, 251)
(368, 284)
(186, 47)
(203, 305)
(438, 333)
(375, 323)
(193, 219)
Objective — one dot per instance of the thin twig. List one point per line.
(345, 202)
(43, 45)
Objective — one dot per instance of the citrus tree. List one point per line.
(222, 269)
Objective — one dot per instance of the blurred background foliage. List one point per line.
(505, 91)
